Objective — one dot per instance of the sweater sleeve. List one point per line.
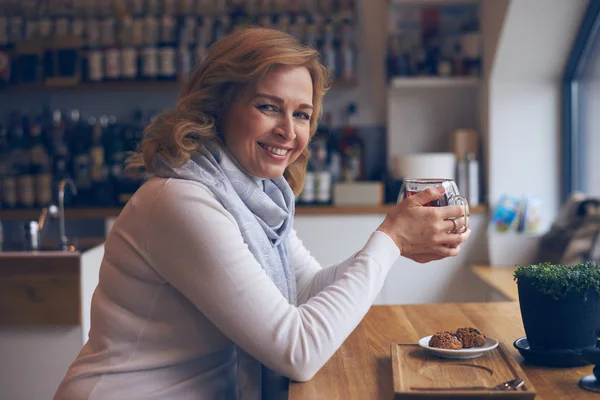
(196, 245)
(311, 278)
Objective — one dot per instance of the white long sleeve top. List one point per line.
(179, 290)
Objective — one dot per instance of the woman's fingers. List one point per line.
(426, 233)
(445, 251)
(428, 195)
(450, 246)
(453, 225)
(452, 239)
(449, 212)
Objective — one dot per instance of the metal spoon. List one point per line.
(513, 384)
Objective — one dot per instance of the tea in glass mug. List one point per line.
(452, 197)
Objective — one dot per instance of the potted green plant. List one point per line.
(560, 305)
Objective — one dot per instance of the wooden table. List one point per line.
(362, 368)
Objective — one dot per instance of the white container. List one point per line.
(424, 165)
(358, 194)
(509, 249)
(472, 192)
(471, 44)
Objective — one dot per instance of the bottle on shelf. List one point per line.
(184, 56)
(328, 52)
(96, 41)
(188, 27)
(129, 52)
(347, 51)
(431, 37)
(111, 47)
(66, 47)
(239, 16)
(138, 28)
(307, 195)
(80, 134)
(352, 148)
(21, 155)
(40, 164)
(204, 38)
(334, 158)
(61, 136)
(298, 27)
(116, 157)
(8, 184)
(150, 56)
(167, 54)
(5, 53)
(320, 162)
(93, 70)
(101, 188)
(312, 34)
(132, 135)
(28, 50)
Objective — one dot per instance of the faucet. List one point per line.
(50, 211)
(35, 229)
(64, 245)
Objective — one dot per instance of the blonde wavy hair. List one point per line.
(235, 61)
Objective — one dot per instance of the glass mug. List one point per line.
(452, 197)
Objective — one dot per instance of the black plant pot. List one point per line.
(565, 324)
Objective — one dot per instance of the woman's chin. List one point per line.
(270, 173)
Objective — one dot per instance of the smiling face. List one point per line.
(267, 126)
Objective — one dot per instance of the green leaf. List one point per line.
(557, 280)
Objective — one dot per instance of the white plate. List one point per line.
(473, 352)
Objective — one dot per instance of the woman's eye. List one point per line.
(267, 107)
(303, 115)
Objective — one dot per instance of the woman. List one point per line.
(205, 290)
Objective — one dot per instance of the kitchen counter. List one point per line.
(40, 288)
(362, 367)
(102, 213)
(45, 302)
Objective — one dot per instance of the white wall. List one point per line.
(492, 15)
(331, 239)
(423, 119)
(523, 98)
(524, 142)
(590, 103)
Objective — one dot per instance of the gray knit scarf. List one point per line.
(264, 212)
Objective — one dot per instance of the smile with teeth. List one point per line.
(275, 150)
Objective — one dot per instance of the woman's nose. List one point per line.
(286, 128)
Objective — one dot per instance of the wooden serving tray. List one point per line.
(414, 366)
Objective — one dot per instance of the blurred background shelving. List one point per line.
(385, 100)
(128, 86)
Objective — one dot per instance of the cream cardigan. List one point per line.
(179, 289)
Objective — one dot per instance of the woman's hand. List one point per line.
(425, 233)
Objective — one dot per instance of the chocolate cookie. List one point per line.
(470, 337)
(445, 340)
